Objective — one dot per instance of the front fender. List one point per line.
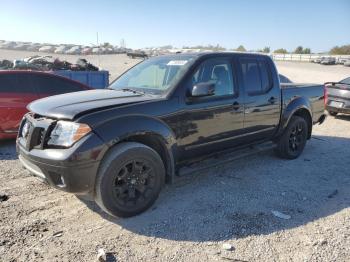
(121, 128)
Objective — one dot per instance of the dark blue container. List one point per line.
(93, 79)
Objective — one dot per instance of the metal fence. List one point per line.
(305, 57)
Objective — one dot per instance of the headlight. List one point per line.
(67, 133)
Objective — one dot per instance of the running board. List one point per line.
(225, 158)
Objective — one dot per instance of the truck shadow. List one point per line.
(237, 200)
(343, 117)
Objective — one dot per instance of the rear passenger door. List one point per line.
(262, 97)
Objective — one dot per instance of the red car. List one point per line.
(19, 88)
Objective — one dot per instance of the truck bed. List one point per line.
(315, 93)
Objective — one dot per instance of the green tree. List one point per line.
(206, 47)
(281, 51)
(266, 49)
(241, 48)
(307, 51)
(340, 50)
(298, 50)
(106, 44)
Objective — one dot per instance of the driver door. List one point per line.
(211, 123)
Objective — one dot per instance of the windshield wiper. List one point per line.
(127, 90)
(132, 90)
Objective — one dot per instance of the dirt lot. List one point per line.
(196, 215)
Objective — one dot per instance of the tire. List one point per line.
(291, 144)
(332, 113)
(129, 179)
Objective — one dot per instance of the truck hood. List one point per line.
(69, 106)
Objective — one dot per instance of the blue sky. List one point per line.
(319, 25)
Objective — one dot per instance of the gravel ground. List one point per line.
(312, 73)
(195, 216)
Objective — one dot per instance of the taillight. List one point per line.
(325, 97)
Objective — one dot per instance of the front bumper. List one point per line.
(72, 170)
(344, 110)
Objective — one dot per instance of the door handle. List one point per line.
(236, 106)
(272, 100)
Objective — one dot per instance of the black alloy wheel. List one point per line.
(292, 142)
(129, 179)
(134, 182)
(296, 137)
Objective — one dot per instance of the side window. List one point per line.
(24, 83)
(265, 76)
(256, 76)
(7, 83)
(65, 86)
(217, 71)
(52, 85)
(42, 84)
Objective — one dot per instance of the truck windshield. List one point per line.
(155, 75)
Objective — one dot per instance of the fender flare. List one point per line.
(299, 103)
(122, 128)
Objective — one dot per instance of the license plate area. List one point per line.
(336, 104)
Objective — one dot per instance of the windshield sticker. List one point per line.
(177, 62)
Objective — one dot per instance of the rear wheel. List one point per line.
(129, 180)
(292, 142)
(332, 113)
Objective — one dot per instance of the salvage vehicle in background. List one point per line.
(119, 145)
(318, 59)
(19, 88)
(342, 60)
(137, 54)
(338, 97)
(328, 61)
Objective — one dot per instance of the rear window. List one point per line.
(256, 76)
(32, 83)
(52, 85)
(24, 83)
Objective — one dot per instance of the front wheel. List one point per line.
(129, 180)
(291, 144)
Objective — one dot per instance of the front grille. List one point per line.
(34, 131)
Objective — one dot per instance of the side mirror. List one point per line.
(203, 89)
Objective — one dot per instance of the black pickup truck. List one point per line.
(121, 144)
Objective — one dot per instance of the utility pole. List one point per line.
(122, 43)
(98, 53)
